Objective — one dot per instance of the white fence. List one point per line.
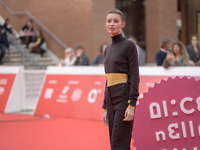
(27, 85)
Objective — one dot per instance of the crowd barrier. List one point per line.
(12, 93)
(75, 92)
(169, 115)
(78, 92)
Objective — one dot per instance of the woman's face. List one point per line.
(114, 24)
(176, 49)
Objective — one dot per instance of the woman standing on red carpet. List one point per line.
(122, 80)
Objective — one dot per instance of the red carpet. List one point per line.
(23, 132)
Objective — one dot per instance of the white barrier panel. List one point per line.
(78, 92)
(12, 90)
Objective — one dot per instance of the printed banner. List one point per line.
(80, 96)
(77, 96)
(6, 83)
(147, 82)
(167, 117)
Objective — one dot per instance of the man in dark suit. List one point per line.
(165, 48)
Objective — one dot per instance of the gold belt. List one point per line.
(116, 78)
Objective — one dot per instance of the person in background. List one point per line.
(70, 58)
(39, 46)
(178, 57)
(3, 43)
(82, 59)
(99, 60)
(7, 26)
(141, 52)
(27, 33)
(194, 50)
(165, 48)
(12, 35)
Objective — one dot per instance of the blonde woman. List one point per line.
(121, 91)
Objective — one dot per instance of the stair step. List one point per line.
(44, 59)
(32, 77)
(14, 56)
(18, 55)
(15, 60)
(34, 86)
(35, 92)
(12, 64)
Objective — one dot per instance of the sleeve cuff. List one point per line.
(131, 106)
(132, 102)
(104, 106)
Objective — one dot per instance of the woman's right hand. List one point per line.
(170, 56)
(105, 118)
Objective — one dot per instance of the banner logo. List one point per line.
(166, 117)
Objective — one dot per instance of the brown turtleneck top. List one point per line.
(121, 57)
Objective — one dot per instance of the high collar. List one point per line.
(117, 38)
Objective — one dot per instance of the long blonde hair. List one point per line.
(117, 11)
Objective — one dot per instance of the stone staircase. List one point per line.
(34, 73)
(15, 57)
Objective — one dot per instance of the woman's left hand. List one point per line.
(129, 114)
(191, 63)
(105, 118)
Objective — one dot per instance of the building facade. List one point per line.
(149, 21)
(82, 22)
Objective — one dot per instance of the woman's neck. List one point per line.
(117, 38)
(177, 56)
(113, 35)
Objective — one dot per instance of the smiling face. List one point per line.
(114, 24)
